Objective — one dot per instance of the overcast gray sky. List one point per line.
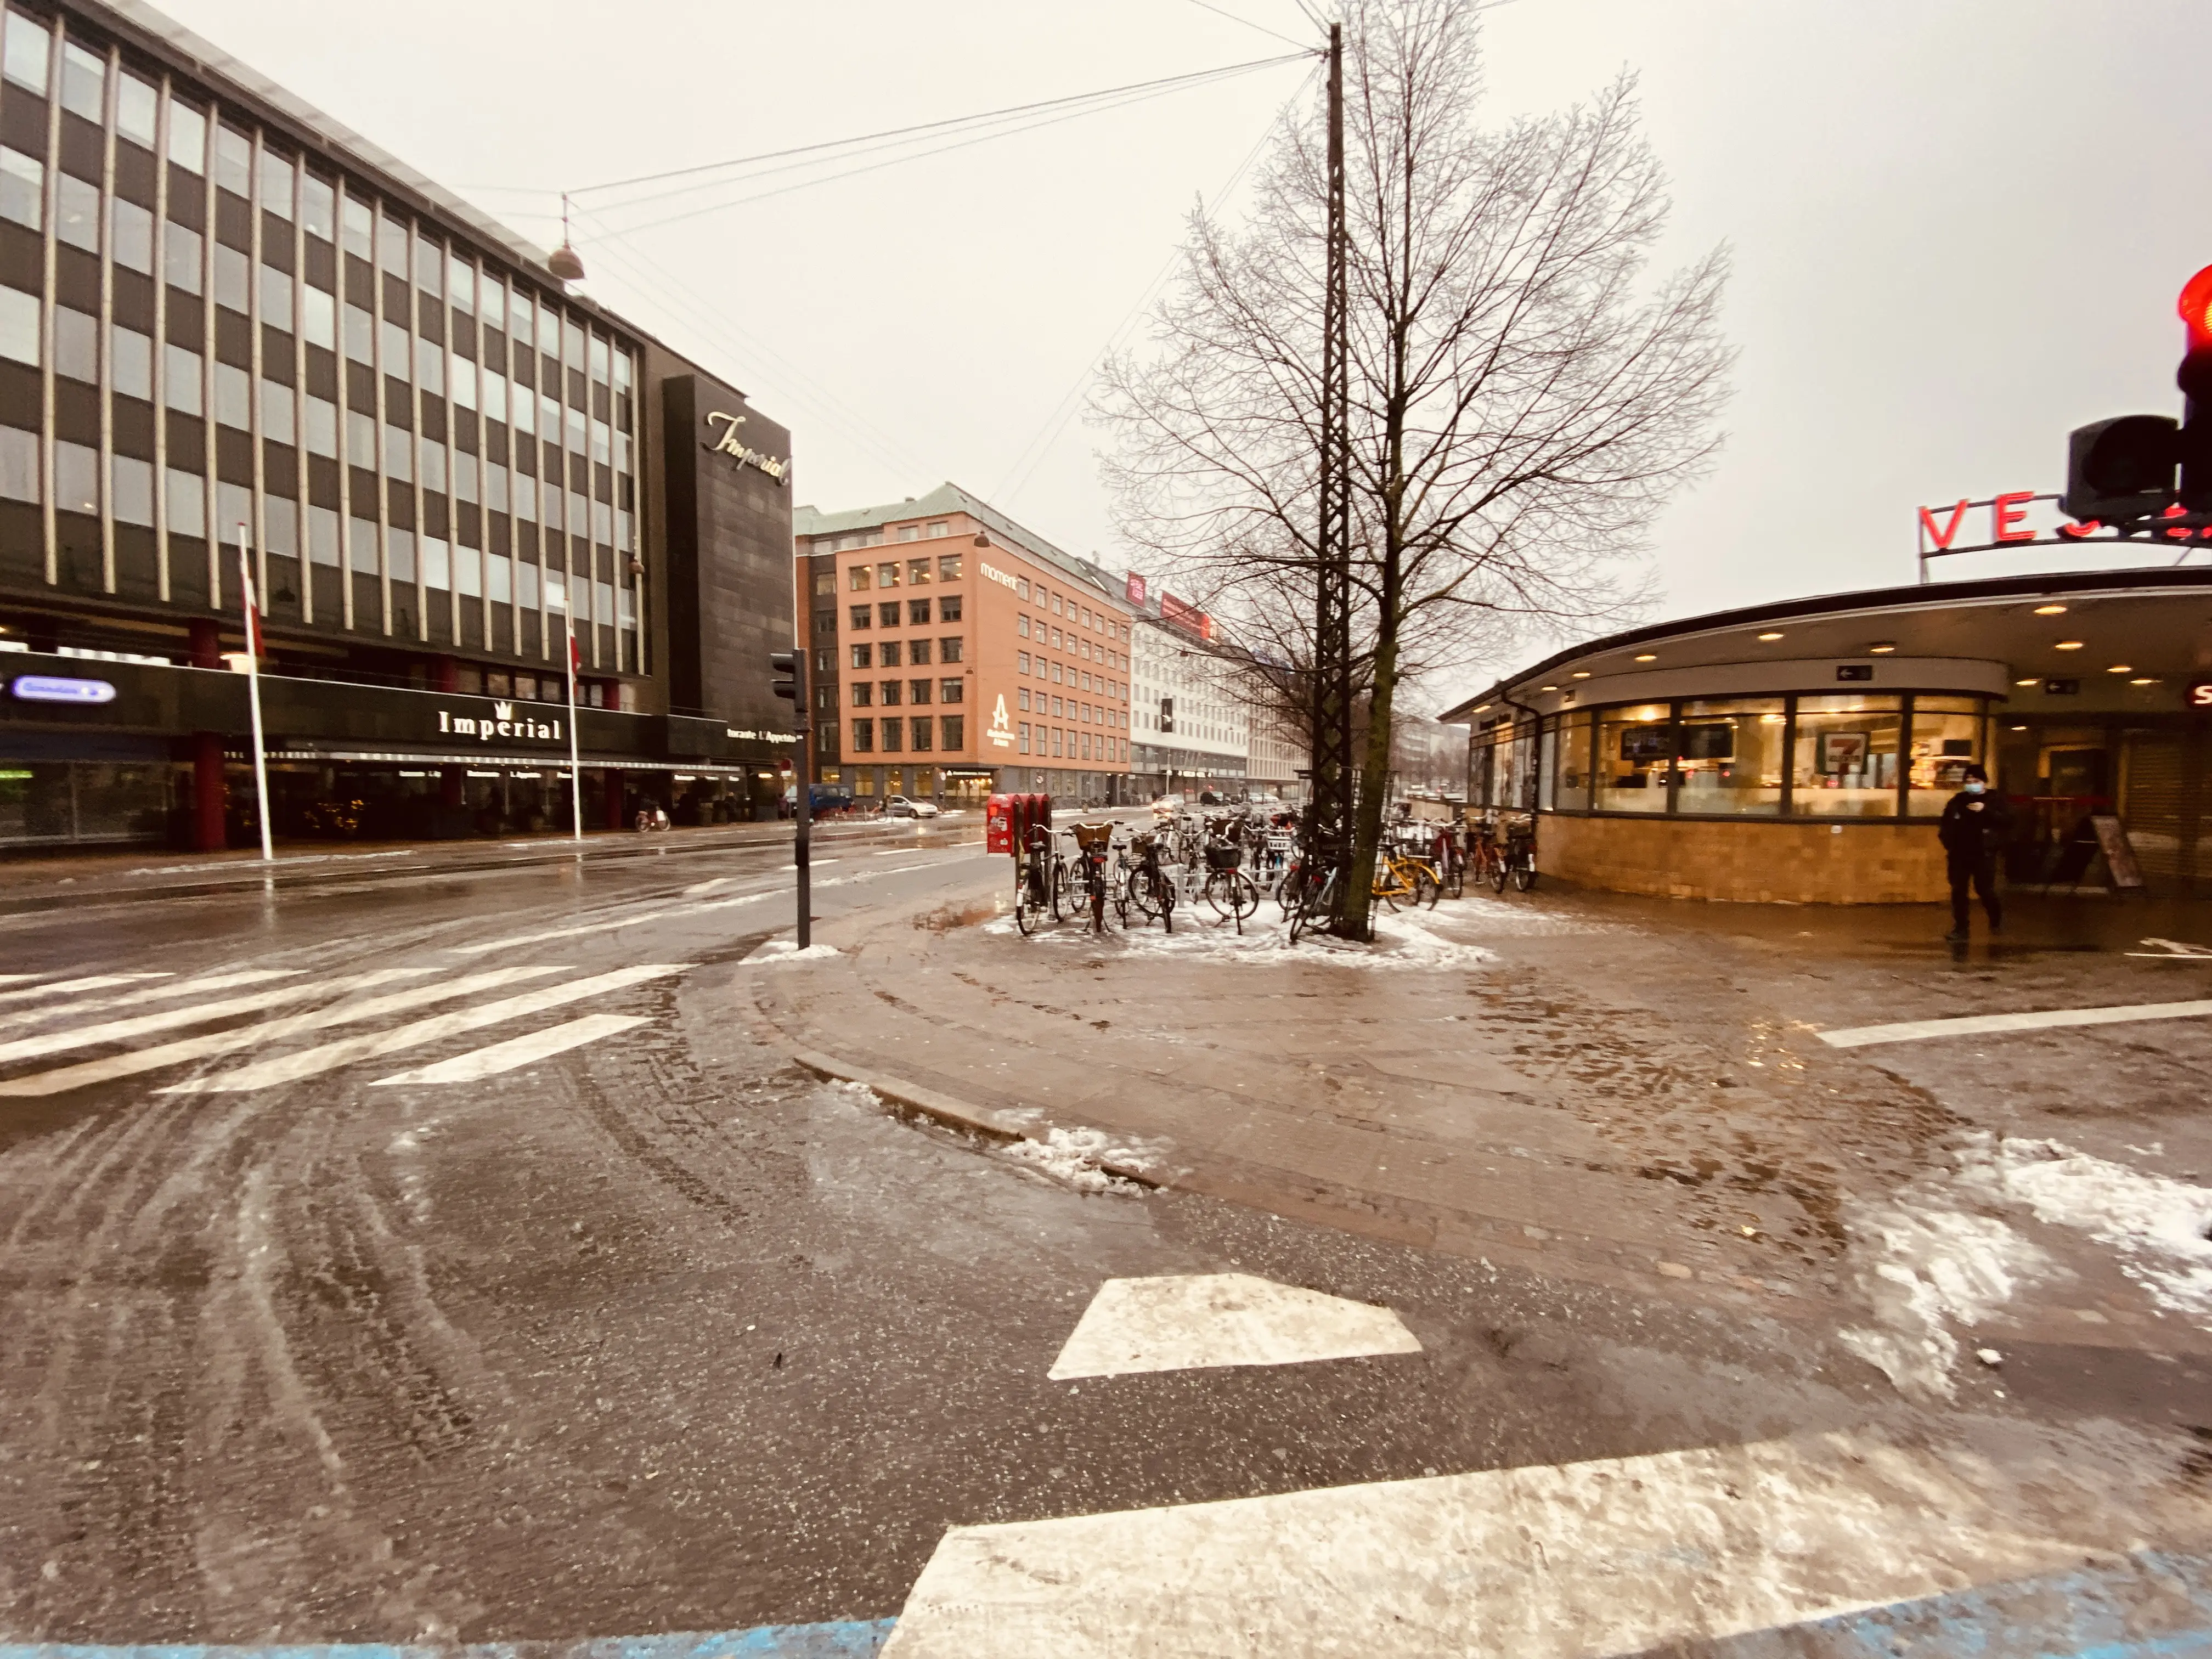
(1959, 225)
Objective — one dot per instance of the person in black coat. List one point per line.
(1975, 826)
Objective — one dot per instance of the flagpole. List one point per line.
(575, 774)
(253, 694)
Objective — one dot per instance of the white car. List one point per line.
(898, 807)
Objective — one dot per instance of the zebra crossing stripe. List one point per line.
(1630, 1555)
(516, 1052)
(122, 1030)
(480, 946)
(61, 987)
(313, 1062)
(166, 993)
(187, 1049)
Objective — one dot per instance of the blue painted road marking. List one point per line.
(847, 1639)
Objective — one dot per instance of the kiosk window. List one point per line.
(1730, 754)
(1844, 764)
(1946, 738)
(1632, 749)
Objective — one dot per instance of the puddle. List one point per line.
(946, 918)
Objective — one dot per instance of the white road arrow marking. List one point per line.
(1186, 1321)
(313, 1062)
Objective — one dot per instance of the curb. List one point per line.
(913, 1099)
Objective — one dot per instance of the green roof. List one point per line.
(952, 498)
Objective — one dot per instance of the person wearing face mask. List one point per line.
(1974, 826)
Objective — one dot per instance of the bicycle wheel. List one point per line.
(1524, 874)
(1059, 890)
(1029, 914)
(1220, 893)
(1497, 874)
(1244, 899)
(1427, 889)
(1094, 882)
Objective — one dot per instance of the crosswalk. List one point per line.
(79, 1032)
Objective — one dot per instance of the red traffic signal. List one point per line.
(2195, 307)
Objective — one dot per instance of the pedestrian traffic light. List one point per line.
(785, 664)
(2195, 379)
(2120, 470)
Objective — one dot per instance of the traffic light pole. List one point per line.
(793, 663)
(799, 848)
(800, 716)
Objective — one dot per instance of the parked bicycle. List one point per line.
(1091, 889)
(1148, 887)
(1036, 882)
(1232, 893)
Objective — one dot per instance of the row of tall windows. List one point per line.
(474, 438)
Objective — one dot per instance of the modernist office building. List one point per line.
(955, 652)
(222, 316)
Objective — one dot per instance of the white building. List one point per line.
(1189, 729)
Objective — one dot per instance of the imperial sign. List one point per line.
(726, 442)
(503, 724)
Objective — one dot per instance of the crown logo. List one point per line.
(504, 711)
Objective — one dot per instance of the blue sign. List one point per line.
(52, 688)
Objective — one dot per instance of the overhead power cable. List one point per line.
(1162, 84)
(1203, 6)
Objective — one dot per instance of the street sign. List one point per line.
(55, 688)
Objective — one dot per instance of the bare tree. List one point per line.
(1523, 400)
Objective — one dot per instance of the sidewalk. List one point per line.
(1621, 1094)
(37, 884)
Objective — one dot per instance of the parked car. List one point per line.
(899, 806)
(824, 797)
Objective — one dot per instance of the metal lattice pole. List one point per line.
(1328, 818)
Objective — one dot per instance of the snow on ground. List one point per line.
(2159, 1226)
(1923, 1265)
(777, 950)
(1941, 1252)
(1401, 940)
(1075, 1156)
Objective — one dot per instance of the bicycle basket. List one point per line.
(1088, 836)
(1224, 857)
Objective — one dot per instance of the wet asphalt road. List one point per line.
(660, 1332)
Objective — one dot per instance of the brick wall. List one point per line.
(1768, 862)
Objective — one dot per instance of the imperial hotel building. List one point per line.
(955, 652)
(219, 308)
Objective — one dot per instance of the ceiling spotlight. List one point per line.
(2069, 645)
(1542, 689)
(1582, 673)
(2015, 728)
(2030, 681)
(2145, 681)
(1883, 649)
(1649, 656)
(2121, 668)
(1770, 636)
(2050, 610)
